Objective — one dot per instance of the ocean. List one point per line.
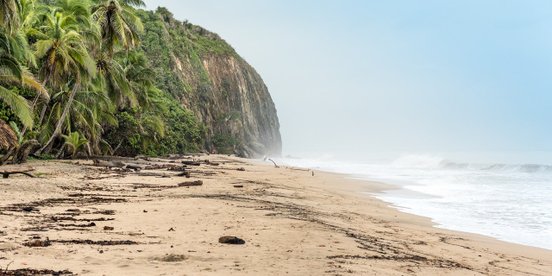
(506, 200)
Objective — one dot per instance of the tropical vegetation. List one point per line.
(75, 78)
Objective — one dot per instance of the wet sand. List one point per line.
(79, 219)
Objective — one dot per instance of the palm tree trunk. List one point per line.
(42, 114)
(35, 102)
(57, 131)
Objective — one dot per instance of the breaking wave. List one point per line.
(435, 162)
(508, 201)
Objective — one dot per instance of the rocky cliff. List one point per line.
(208, 77)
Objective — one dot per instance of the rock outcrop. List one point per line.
(208, 77)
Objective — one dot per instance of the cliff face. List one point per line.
(208, 77)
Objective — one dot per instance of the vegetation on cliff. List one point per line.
(104, 77)
(209, 78)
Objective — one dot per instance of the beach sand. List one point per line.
(76, 218)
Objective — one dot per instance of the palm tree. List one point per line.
(65, 60)
(118, 24)
(14, 49)
(61, 46)
(90, 112)
(47, 24)
(59, 38)
(80, 11)
(93, 111)
(112, 78)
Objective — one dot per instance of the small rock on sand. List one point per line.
(231, 240)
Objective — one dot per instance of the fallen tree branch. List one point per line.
(7, 171)
(275, 165)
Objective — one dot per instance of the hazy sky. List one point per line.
(418, 76)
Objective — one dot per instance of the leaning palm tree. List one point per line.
(90, 112)
(118, 23)
(59, 35)
(81, 75)
(65, 60)
(46, 24)
(60, 45)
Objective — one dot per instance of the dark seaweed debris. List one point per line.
(35, 272)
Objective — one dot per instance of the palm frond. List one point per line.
(10, 66)
(19, 106)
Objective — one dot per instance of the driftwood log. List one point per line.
(20, 154)
(134, 167)
(108, 164)
(9, 170)
(191, 163)
(191, 183)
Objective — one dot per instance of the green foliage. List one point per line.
(118, 23)
(19, 106)
(138, 132)
(210, 44)
(166, 38)
(79, 75)
(74, 142)
(17, 131)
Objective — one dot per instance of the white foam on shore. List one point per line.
(511, 202)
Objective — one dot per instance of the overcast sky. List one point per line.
(417, 76)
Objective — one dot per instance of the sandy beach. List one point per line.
(79, 219)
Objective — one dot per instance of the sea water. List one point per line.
(509, 201)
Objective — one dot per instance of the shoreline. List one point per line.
(372, 188)
(96, 221)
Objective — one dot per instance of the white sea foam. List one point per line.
(512, 202)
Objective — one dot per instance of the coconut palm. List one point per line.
(65, 60)
(112, 78)
(118, 24)
(90, 112)
(59, 46)
(93, 111)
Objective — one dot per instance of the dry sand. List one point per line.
(75, 218)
